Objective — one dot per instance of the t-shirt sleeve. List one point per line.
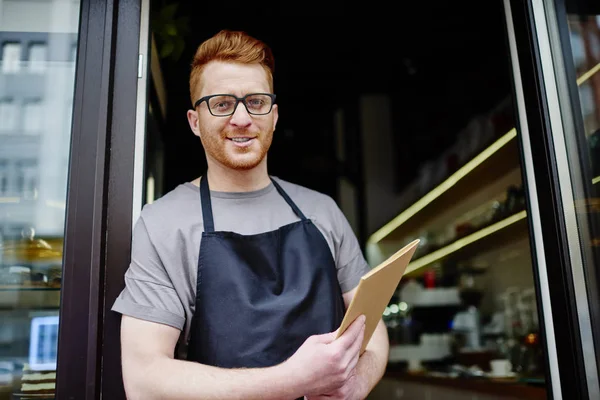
(149, 293)
(350, 261)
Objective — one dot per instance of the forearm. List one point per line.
(166, 378)
(372, 363)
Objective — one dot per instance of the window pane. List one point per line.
(11, 57)
(37, 57)
(34, 159)
(32, 117)
(582, 140)
(584, 32)
(4, 174)
(9, 115)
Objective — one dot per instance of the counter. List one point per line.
(403, 385)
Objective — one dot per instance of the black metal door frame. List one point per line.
(99, 196)
(561, 280)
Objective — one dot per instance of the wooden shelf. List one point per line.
(488, 238)
(495, 161)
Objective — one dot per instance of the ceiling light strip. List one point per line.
(454, 178)
(442, 188)
(10, 199)
(588, 74)
(467, 240)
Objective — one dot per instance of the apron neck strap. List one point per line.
(207, 214)
(288, 200)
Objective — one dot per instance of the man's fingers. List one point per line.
(325, 338)
(358, 341)
(348, 337)
(354, 350)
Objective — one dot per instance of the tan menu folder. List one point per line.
(375, 291)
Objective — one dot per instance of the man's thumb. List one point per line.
(326, 338)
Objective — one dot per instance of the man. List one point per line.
(249, 273)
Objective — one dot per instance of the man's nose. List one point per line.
(240, 116)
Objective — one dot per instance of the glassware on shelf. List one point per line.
(30, 262)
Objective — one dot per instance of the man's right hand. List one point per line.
(323, 363)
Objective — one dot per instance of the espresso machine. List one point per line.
(466, 324)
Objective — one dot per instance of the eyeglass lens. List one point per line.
(225, 104)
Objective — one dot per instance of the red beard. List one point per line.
(228, 154)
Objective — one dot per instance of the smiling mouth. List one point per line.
(240, 139)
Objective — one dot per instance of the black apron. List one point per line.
(258, 297)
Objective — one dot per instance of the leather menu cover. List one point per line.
(375, 290)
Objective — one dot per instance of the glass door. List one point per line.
(563, 284)
(38, 48)
(555, 49)
(574, 28)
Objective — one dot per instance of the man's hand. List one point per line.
(326, 365)
(351, 390)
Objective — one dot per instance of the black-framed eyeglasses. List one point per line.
(223, 105)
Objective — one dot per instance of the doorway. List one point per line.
(399, 105)
(438, 67)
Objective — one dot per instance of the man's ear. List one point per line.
(275, 112)
(192, 116)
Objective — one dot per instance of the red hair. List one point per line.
(231, 46)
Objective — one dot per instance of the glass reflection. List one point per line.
(37, 69)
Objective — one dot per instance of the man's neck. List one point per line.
(222, 179)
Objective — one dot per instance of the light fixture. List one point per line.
(10, 200)
(465, 241)
(584, 77)
(442, 188)
(458, 175)
(150, 189)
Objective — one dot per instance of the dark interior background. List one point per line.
(442, 62)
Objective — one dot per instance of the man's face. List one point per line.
(239, 141)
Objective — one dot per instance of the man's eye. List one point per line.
(223, 104)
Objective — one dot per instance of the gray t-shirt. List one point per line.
(160, 284)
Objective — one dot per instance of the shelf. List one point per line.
(23, 298)
(27, 289)
(519, 389)
(490, 237)
(494, 162)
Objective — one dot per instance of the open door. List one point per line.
(553, 144)
(555, 57)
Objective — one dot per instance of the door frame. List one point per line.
(563, 292)
(103, 169)
(99, 193)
